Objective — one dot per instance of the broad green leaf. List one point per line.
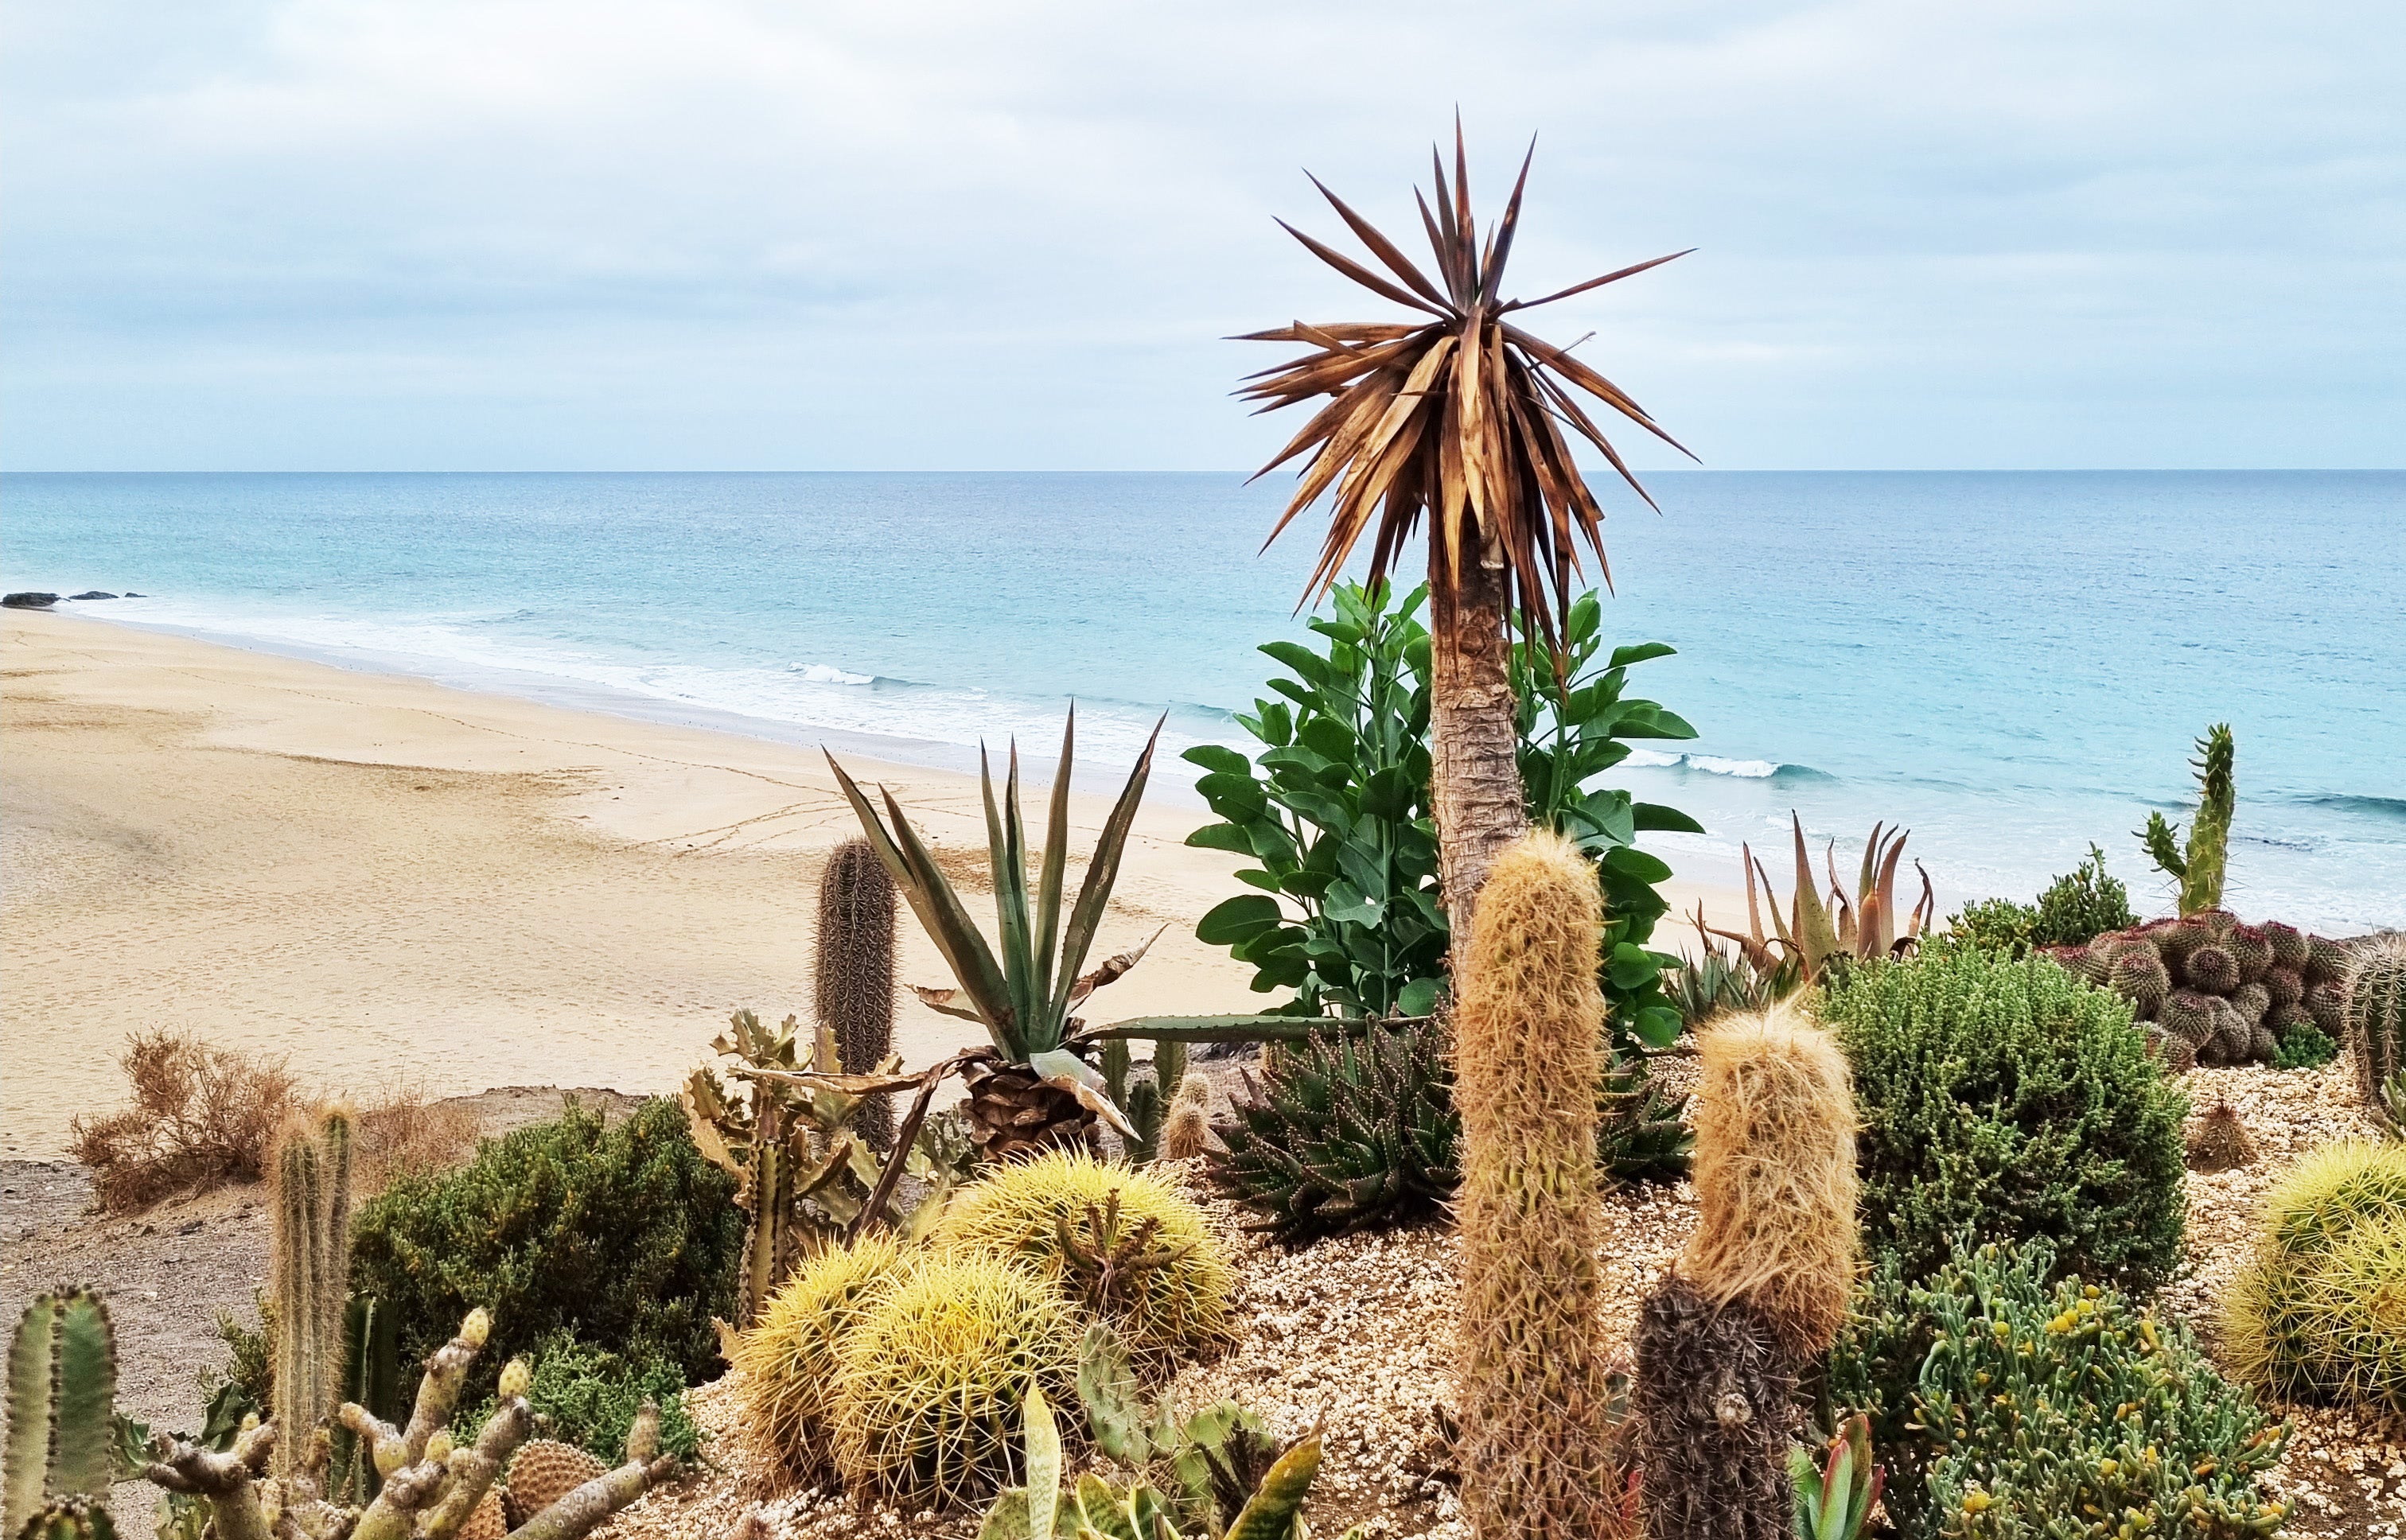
(1632, 967)
(1218, 757)
(1227, 836)
(1237, 919)
(1389, 793)
(1419, 998)
(1347, 905)
(1638, 652)
(1308, 665)
(1238, 799)
(1653, 817)
(1657, 1025)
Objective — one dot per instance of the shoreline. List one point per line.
(390, 878)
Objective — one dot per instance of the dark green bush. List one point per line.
(2011, 1101)
(625, 1236)
(591, 1396)
(2078, 908)
(2304, 1046)
(2003, 1405)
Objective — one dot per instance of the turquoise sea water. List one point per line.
(2012, 665)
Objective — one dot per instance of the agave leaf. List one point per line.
(1065, 1071)
(1007, 857)
(1114, 968)
(1095, 893)
(1234, 1029)
(851, 1085)
(1056, 857)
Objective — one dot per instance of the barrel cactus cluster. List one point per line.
(2215, 991)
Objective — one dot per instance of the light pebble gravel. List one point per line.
(1354, 1335)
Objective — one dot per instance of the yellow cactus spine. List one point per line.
(1531, 1366)
(310, 1274)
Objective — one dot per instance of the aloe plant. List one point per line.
(1835, 1500)
(1810, 934)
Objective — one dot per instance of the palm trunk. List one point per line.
(1474, 772)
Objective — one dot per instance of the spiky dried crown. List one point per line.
(1459, 417)
(1775, 1173)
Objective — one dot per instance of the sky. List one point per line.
(961, 234)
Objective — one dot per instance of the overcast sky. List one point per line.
(1009, 233)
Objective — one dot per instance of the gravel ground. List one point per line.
(1354, 1336)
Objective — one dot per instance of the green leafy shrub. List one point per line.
(1994, 924)
(2010, 1101)
(2006, 1406)
(624, 1236)
(592, 1396)
(2304, 1046)
(2081, 906)
(1335, 812)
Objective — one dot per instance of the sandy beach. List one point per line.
(388, 879)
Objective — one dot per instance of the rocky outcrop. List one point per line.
(28, 600)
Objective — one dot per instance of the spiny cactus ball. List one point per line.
(788, 1359)
(2252, 1001)
(2289, 946)
(2082, 961)
(2180, 937)
(2286, 985)
(2188, 1016)
(2179, 1055)
(544, 1471)
(2310, 1317)
(931, 1380)
(2234, 1035)
(1021, 1210)
(2327, 1003)
(2250, 951)
(2220, 1142)
(2210, 970)
(2326, 961)
(2139, 976)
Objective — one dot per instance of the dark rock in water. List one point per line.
(91, 593)
(29, 600)
(131, 594)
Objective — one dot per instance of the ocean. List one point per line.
(2011, 665)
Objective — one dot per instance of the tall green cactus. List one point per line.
(2375, 992)
(1146, 1103)
(854, 979)
(2198, 869)
(311, 1275)
(61, 1397)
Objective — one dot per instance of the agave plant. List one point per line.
(1810, 934)
(1031, 1085)
(1459, 415)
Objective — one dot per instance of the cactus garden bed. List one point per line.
(1355, 1334)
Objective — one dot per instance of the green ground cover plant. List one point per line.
(591, 1396)
(2005, 1405)
(623, 1234)
(2011, 1101)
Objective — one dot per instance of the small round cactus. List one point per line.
(2179, 938)
(2326, 961)
(2253, 1001)
(2212, 970)
(2139, 976)
(2250, 951)
(2286, 985)
(2309, 1317)
(2188, 1016)
(2327, 1003)
(788, 1358)
(2288, 943)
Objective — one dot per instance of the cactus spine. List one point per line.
(2375, 1007)
(1186, 1132)
(1531, 1366)
(855, 974)
(311, 1275)
(2199, 868)
(61, 1394)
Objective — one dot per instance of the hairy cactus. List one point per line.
(853, 980)
(790, 1357)
(309, 1275)
(1146, 1102)
(1533, 1367)
(931, 1379)
(2198, 869)
(1068, 1217)
(1341, 1133)
(2374, 1014)
(2221, 1142)
(61, 1397)
(1186, 1130)
(2310, 1317)
(1775, 1174)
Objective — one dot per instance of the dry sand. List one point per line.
(387, 878)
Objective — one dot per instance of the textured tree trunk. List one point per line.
(1475, 774)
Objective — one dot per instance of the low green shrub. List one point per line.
(592, 1396)
(1994, 924)
(2004, 1406)
(2081, 905)
(2304, 1046)
(2010, 1101)
(622, 1236)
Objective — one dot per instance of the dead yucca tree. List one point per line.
(1463, 416)
(1762, 1287)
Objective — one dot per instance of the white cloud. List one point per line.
(718, 233)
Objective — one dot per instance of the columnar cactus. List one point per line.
(2199, 868)
(61, 1392)
(310, 1274)
(855, 974)
(1534, 1399)
(2375, 994)
(1762, 1287)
